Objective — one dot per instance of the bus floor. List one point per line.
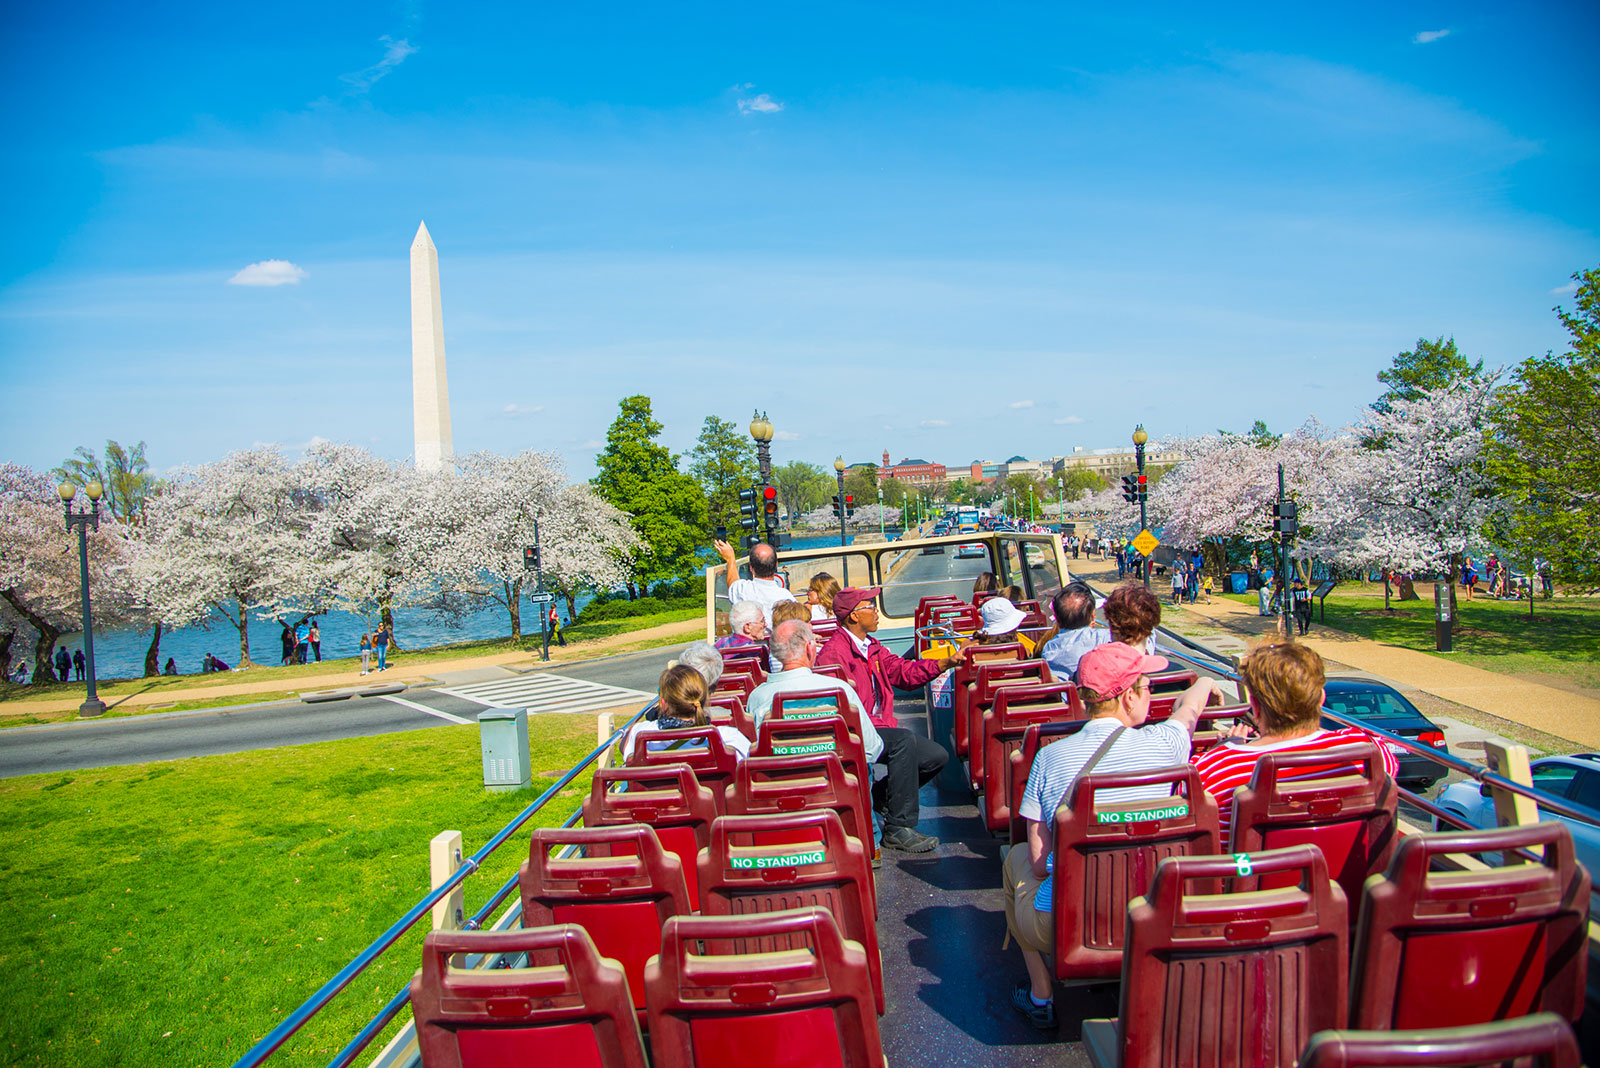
(941, 924)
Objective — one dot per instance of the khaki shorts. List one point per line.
(1031, 928)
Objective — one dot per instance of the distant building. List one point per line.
(914, 472)
(984, 471)
(1021, 465)
(1110, 463)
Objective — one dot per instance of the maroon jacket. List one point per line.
(880, 666)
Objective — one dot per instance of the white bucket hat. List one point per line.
(1000, 616)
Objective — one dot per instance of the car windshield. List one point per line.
(1371, 705)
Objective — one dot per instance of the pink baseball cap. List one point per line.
(1111, 668)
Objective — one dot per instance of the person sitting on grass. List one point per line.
(1285, 682)
(1113, 682)
(682, 694)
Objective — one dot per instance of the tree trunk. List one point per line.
(572, 606)
(1455, 569)
(1386, 607)
(47, 635)
(5, 655)
(633, 592)
(1408, 589)
(514, 603)
(152, 655)
(244, 637)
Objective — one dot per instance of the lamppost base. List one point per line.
(92, 707)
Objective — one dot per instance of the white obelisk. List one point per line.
(430, 390)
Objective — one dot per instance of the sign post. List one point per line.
(1441, 616)
(531, 562)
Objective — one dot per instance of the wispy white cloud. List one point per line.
(1021, 404)
(785, 435)
(761, 103)
(934, 422)
(521, 409)
(592, 443)
(395, 51)
(1564, 291)
(269, 273)
(1067, 420)
(1429, 36)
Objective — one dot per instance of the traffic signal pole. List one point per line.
(1283, 525)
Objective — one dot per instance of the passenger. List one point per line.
(1285, 681)
(794, 645)
(682, 693)
(984, 583)
(762, 586)
(704, 658)
(820, 595)
(873, 671)
(1001, 619)
(1116, 694)
(748, 621)
(1013, 594)
(1076, 634)
(789, 610)
(1133, 613)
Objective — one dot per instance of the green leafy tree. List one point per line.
(125, 477)
(801, 487)
(894, 492)
(723, 461)
(1541, 448)
(666, 507)
(862, 482)
(1078, 481)
(1430, 366)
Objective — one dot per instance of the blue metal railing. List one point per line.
(331, 989)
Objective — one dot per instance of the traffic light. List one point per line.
(747, 508)
(530, 558)
(769, 507)
(1130, 489)
(838, 506)
(1286, 518)
(849, 506)
(1143, 484)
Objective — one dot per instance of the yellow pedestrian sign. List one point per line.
(1146, 543)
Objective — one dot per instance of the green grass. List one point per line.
(171, 913)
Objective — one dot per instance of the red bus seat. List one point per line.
(739, 682)
(727, 710)
(804, 1007)
(759, 864)
(835, 671)
(1228, 979)
(1015, 709)
(1350, 816)
(745, 659)
(1543, 1040)
(668, 798)
(621, 891)
(1455, 948)
(991, 678)
(1174, 681)
(699, 747)
(1107, 854)
(803, 737)
(965, 680)
(776, 785)
(575, 1012)
(814, 704)
(1034, 738)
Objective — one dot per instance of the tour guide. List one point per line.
(874, 672)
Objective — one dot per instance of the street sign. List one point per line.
(541, 598)
(1146, 543)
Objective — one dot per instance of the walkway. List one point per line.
(1543, 708)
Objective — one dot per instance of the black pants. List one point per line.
(1303, 617)
(913, 762)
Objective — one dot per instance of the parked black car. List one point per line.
(1383, 707)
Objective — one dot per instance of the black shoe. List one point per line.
(1041, 1017)
(909, 840)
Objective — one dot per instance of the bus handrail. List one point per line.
(1454, 763)
(289, 1025)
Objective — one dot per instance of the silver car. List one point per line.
(1575, 779)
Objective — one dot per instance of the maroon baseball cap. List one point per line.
(1111, 668)
(850, 598)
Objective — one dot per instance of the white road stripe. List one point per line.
(544, 692)
(423, 708)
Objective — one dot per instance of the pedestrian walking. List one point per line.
(1178, 581)
(366, 654)
(63, 664)
(1300, 600)
(77, 665)
(380, 642)
(314, 637)
(555, 627)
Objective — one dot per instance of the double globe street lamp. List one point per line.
(761, 431)
(83, 520)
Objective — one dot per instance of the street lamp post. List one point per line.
(1139, 438)
(92, 705)
(881, 532)
(1030, 504)
(838, 470)
(761, 430)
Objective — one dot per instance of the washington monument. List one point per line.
(430, 390)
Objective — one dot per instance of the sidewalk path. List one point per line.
(399, 671)
(1543, 708)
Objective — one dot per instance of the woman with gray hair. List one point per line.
(704, 658)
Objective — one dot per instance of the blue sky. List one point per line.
(952, 231)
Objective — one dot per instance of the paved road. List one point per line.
(175, 735)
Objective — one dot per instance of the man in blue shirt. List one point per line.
(1074, 610)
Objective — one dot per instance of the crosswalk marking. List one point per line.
(543, 692)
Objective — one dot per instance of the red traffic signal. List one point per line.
(1143, 481)
(769, 492)
(848, 500)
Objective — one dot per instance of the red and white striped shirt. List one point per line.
(1229, 766)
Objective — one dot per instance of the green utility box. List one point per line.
(503, 733)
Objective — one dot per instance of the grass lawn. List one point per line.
(171, 913)
(1559, 645)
